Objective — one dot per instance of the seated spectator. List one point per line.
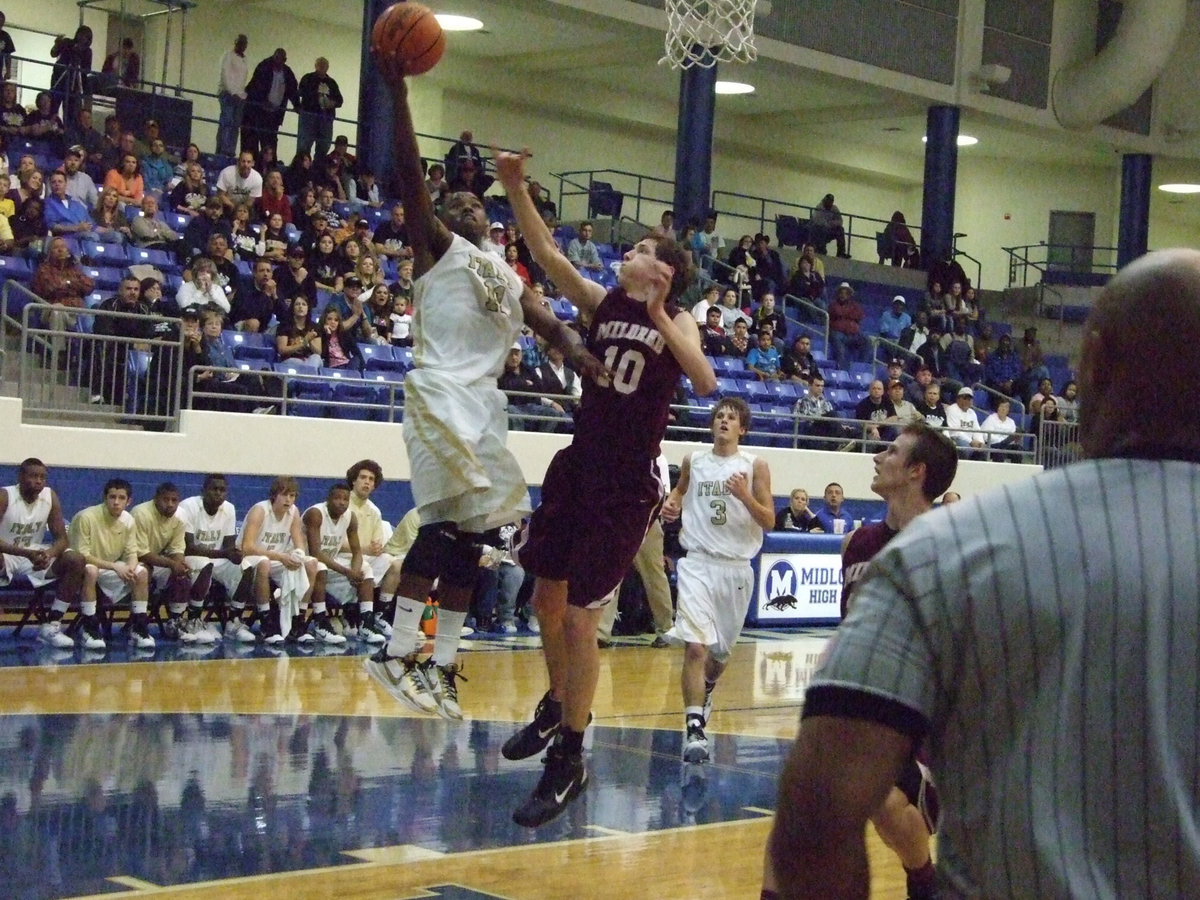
(731, 313)
(157, 168)
(64, 214)
(763, 358)
(191, 193)
(298, 175)
(766, 276)
(582, 252)
(12, 113)
(202, 291)
(369, 273)
(494, 242)
(961, 364)
(437, 185)
(243, 239)
(401, 322)
(327, 176)
(203, 347)
(293, 279)
(7, 243)
(875, 408)
(738, 343)
(1045, 390)
(825, 225)
(127, 180)
(471, 178)
(933, 354)
(404, 283)
(297, 338)
(111, 225)
(545, 207)
(712, 335)
(325, 200)
(985, 343)
(1002, 371)
(377, 311)
(906, 412)
(30, 183)
(558, 379)
(391, 238)
(28, 226)
(796, 516)
(273, 199)
(255, 307)
(366, 192)
(512, 256)
(767, 313)
(742, 262)
(709, 299)
(239, 183)
(914, 391)
(123, 64)
(687, 239)
(43, 124)
(226, 276)
(962, 422)
(273, 242)
(1068, 402)
(526, 406)
(666, 225)
(798, 364)
(893, 322)
(933, 305)
(1001, 432)
(845, 328)
(807, 284)
(339, 341)
(834, 519)
(149, 229)
(900, 244)
(916, 333)
(326, 265)
(968, 310)
(825, 422)
(109, 377)
(944, 272)
(191, 154)
(931, 408)
(58, 278)
(267, 163)
(79, 183)
(199, 232)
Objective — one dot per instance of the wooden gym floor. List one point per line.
(240, 774)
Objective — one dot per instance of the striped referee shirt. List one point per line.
(1045, 637)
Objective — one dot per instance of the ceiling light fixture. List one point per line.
(1180, 188)
(964, 140)
(733, 87)
(458, 23)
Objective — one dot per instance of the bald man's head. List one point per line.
(1141, 348)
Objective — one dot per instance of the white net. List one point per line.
(706, 32)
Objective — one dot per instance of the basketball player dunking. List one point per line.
(600, 493)
(910, 473)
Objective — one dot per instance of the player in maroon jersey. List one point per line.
(599, 494)
(910, 473)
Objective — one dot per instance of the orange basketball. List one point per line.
(407, 40)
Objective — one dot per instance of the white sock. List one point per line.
(449, 633)
(405, 624)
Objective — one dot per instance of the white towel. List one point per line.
(293, 585)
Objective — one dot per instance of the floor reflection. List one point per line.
(179, 798)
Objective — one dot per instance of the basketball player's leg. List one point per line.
(903, 829)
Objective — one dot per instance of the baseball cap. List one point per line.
(896, 361)
(362, 223)
(76, 150)
(496, 226)
(516, 346)
(351, 281)
(965, 392)
(296, 250)
(845, 284)
(899, 299)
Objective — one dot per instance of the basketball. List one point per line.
(407, 40)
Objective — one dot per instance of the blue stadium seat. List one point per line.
(782, 391)
(730, 387)
(756, 391)
(306, 398)
(15, 267)
(249, 345)
(838, 378)
(350, 387)
(380, 357)
(112, 255)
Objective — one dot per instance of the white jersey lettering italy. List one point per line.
(714, 521)
(24, 524)
(333, 532)
(208, 532)
(276, 534)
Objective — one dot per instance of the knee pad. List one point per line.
(427, 556)
(461, 566)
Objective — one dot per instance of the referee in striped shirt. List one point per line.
(1043, 639)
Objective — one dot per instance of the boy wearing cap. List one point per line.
(962, 423)
(79, 183)
(494, 242)
(892, 322)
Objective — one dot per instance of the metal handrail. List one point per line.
(637, 194)
(894, 349)
(1021, 259)
(821, 313)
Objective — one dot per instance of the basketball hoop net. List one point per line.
(706, 32)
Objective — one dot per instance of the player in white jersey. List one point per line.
(29, 509)
(468, 308)
(273, 547)
(327, 527)
(1043, 640)
(724, 496)
(210, 539)
(364, 478)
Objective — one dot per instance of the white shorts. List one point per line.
(338, 585)
(714, 596)
(16, 566)
(457, 441)
(226, 572)
(379, 565)
(277, 568)
(115, 588)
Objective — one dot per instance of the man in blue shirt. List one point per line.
(893, 321)
(763, 359)
(64, 214)
(833, 519)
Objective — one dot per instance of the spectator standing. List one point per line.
(270, 89)
(320, 99)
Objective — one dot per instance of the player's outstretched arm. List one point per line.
(683, 339)
(546, 324)
(510, 170)
(430, 239)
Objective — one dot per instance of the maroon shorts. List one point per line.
(589, 524)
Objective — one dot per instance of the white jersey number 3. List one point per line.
(627, 371)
